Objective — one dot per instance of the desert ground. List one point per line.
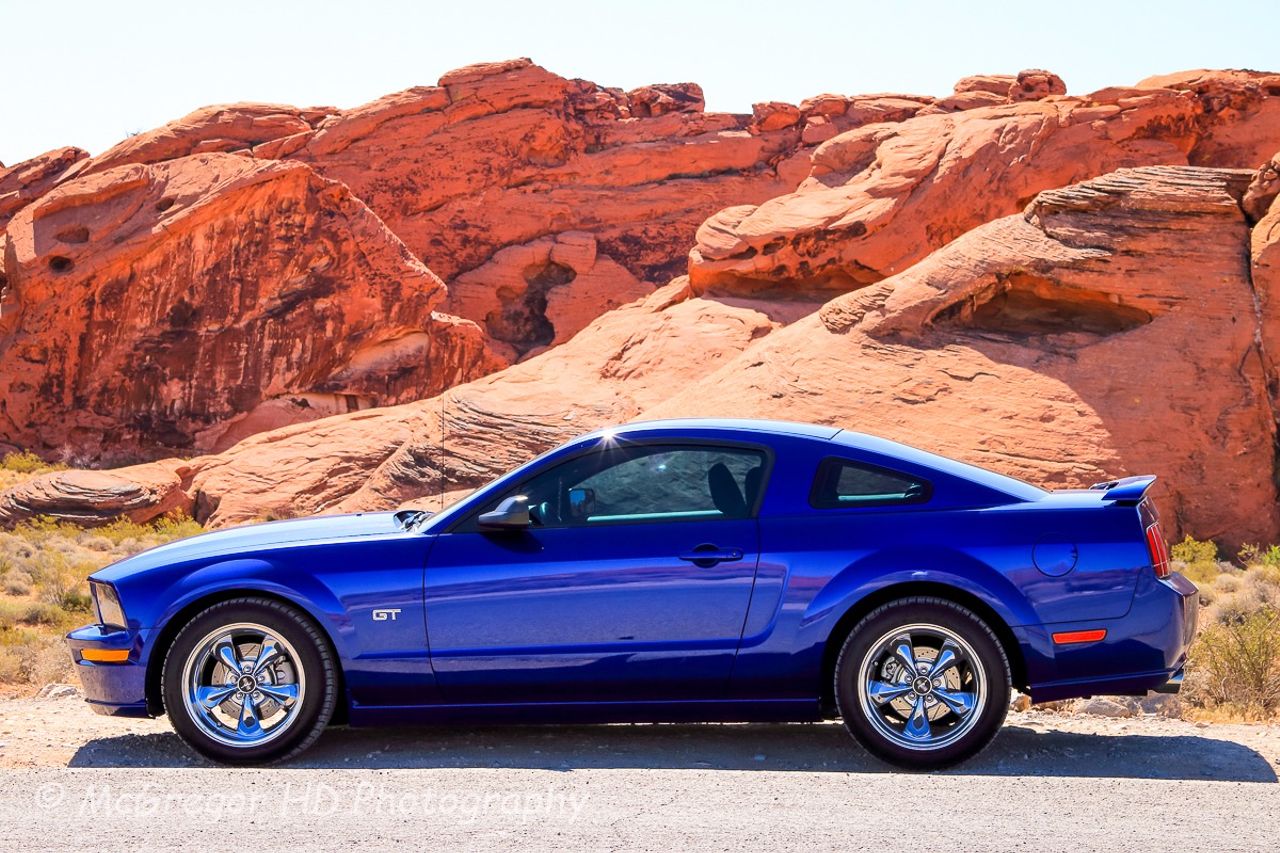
(1049, 781)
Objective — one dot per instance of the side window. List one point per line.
(647, 483)
(843, 483)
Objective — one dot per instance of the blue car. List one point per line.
(685, 570)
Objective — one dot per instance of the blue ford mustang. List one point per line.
(665, 571)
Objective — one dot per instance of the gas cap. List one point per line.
(1055, 557)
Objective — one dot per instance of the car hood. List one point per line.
(252, 538)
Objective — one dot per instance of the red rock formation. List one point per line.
(27, 181)
(499, 161)
(1031, 338)
(881, 197)
(1261, 207)
(174, 305)
(219, 128)
(1239, 116)
(1110, 329)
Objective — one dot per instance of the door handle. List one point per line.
(707, 555)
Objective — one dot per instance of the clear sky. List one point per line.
(76, 72)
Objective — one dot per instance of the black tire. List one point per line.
(861, 648)
(315, 659)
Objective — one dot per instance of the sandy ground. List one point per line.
(1049, 782)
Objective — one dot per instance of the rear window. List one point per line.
(845, 483)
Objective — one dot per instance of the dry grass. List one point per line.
(44, 593)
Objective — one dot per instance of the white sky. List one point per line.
(75, 72)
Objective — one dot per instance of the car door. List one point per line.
(632, 583)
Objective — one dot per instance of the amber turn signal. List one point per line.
(105, 655)
(1064, 638)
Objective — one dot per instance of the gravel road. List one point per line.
(72, 780)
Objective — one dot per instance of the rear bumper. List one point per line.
(1144, 650)
(116, 689)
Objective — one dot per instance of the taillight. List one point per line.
(1159, 551)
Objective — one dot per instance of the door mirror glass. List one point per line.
(511, 514)
(582, 504)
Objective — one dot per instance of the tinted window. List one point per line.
(842, 483)
(647, 483)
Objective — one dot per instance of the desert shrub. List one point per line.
(17, 583)
(42, 613)
(1198, 560)
(27, 463)
(1253, 555)
(11, 671)
(1237, 663)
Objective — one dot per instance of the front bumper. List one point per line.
(118, 689)
(1144, 650)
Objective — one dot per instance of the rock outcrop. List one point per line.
(1031, 338)
(881, 197)
(1109, 329)
(174, 307)
(27, 181)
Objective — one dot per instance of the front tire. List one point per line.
(249, 681)
(922, 683)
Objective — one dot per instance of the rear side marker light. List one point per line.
(104, 655)
(1093, 635)
(1159, 551)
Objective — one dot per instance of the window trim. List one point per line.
(829, 462)
(467, 524)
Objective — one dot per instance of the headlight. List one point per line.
(106, 601)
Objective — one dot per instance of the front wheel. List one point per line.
(249, 681)
(922, 683)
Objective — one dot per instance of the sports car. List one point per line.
(684, 570)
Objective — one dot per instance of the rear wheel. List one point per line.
(922, 683)
(249, 681)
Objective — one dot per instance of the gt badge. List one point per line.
(385, 613)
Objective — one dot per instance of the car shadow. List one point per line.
(820, 747)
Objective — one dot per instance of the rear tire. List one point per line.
(249, 681)
(922, 683)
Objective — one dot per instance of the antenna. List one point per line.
(440, 463)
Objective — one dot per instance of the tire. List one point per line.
(934, 715)
(253, 650)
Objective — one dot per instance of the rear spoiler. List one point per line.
(1126, 490)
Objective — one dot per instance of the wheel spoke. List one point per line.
(882, 691)
(211, 697)
(905, 653)
(271, 652)
(918, 723)
(285, 694)
(249, 724)
(958, 701)
(946, 659)
(229, 656)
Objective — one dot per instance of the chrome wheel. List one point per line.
(243, 684)
(922, 686)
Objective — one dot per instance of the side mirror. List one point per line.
(511, 514)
